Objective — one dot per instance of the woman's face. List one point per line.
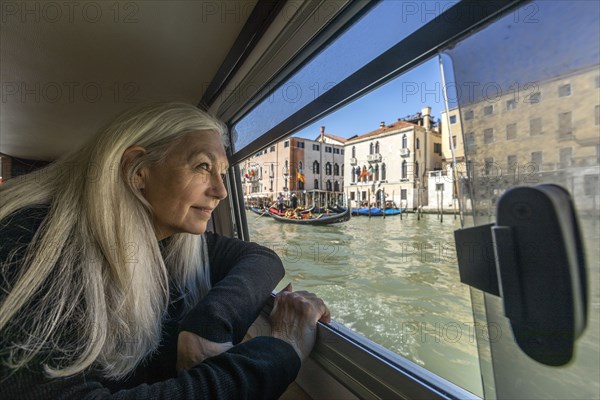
(185, 188)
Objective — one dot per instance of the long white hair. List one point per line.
(93, 286)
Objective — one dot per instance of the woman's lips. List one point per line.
(204, 211)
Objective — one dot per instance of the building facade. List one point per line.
(550, 133)
(296, 165)
(393, 162)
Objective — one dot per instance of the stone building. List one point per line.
(310, 168)
(548, 133)
(393, 160)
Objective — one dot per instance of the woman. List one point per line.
(110, 286)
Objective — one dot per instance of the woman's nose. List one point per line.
(218, 187)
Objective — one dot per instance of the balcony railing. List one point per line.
(353, 161)
(405, 152)
(374, 157)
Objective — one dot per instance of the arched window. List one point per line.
(377, 172)
(371, 148)
(404, 169)
(404, 141)
(328, 185)
(336, 186)
(417, 169)
(376, 147)
(336, 169)
(328, 168)
(316, 167)
(383, 172)
(316, 184)
(300, 185)
(418, 143)
(353, 151)
(300, 166)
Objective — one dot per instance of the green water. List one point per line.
(394, 281)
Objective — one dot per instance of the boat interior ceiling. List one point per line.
(68, 68)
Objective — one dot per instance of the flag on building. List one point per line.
(300, 177)
(364, 173)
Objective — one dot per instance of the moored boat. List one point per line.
(308, 218)
(377, 212)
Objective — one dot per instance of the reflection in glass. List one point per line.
(549, 78)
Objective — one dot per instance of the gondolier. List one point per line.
(280, 203)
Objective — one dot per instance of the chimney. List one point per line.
(322, 134)
(382, 124)
(426, 112)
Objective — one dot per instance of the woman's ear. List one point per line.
(130, 155)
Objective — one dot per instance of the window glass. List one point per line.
(552, 71)
(533, 98)
(488, 135)
(565, 124)
(406, 295)
(565, 156)
(384, 26)
(564, 90)
(535, 126)
(511, 131)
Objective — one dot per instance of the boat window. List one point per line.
(385, 25)
(406, 295)
(556, 144)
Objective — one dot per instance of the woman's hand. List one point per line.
(294, 319)
(193, 349)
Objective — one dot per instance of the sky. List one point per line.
(482, 71)
(406, 95)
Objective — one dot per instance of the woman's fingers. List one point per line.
(294, 318)
(304, 302)
(325, 314)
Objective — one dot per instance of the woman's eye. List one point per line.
(203, 166)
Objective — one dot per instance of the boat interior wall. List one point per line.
(65, 71)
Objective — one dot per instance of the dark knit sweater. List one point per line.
(242, 275)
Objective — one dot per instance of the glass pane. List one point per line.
(393, 279)
(384, 26)
(549, 75)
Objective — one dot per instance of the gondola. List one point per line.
(274, 210)
(377, 212)
(311, 219)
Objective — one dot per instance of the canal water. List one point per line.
(394, 281)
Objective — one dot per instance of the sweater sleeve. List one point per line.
(261, 368)
(243, 275)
